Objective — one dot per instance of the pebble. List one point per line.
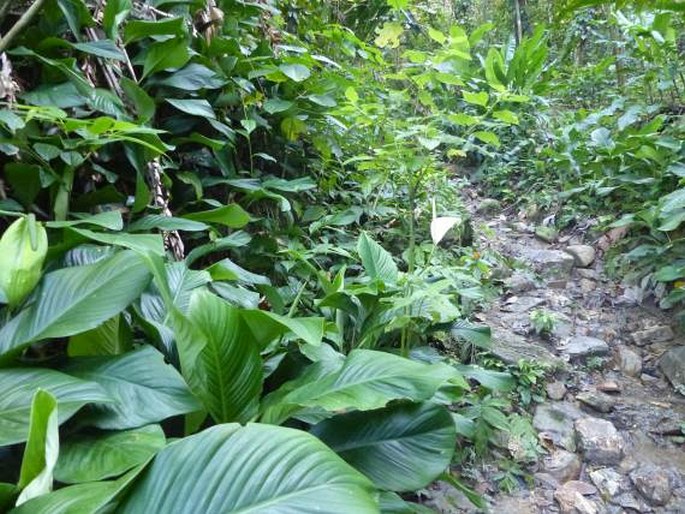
(598, 401)
(609, 386)
(599, 441)
(583, 255)
(608, 481)
(562, 465)
(556, 390)
(580, 347)
(658, 334)
(572, 501)
(629, 362)
(653, 483)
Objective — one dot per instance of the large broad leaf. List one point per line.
(366, 380)
(99, 456)
(76, 299)
(227, 374)
(42, 448)
(19, 385)
(162, 55)
(144, 389)
(94, 497)
(265, 326)
(248, 470)
(231, 215)
(376, 260)
(403, 447)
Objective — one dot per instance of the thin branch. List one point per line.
(20, 24)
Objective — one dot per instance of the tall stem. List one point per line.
(20, 24)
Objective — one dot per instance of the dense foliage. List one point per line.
(232, 238)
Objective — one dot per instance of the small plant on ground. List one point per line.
(542, 322)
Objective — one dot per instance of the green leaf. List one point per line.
(76, 299)
(103, 48)
(139, 29)
(400, 448)
(366, 380)
(601, 138)
(18, 385)
(276, 105)
(193, 77)
(227, 375)
(437, 36)
(23, 248)
(161, 222)
(141, 243)
(144, 105)
(265, 326)
(231, 215)
(296, 72)
(226, 269)
(507, 117)
(389, 35)
(90, 498)
(256, 468)
(463, 119)
(478, 335)
(480, 98)
(110, 220)
(113, 337)
(494, 70)
(92, 457)
(197, 107)
(114, 15)
(172, 53)
(488, 137)
(144, 388)
(42, 448)
(377, 262)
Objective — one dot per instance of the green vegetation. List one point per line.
(233, 237)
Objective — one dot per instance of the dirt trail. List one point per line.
(612, 421)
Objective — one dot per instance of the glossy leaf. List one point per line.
(377, 262)
(143, 387)
(93, 457)
(254, 468)
(19, 385)
(42, 448)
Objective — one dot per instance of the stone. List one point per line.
(550, 264)
(555, 421)
(587, 274)
(629, 362)
(599, 441)
(520, 304)
(580, 347)
(489, 206)
(546, 234)
(562, 465)
(572, 501)
(519, 282)
(609, 386)
(659, 334)
(608, 482)
(672, 364)
(556, 390)
(587, 286)
(595, 400)
(511, 348)
(583, 255)
(653, 483)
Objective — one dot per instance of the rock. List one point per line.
(609, 386)
(519, 282)
(631, 503)
(562, 465)
(546, 234)
(489, 206)
(556, 390)
(672, 363)
(583, 255)
(651, 335)
(598, 401)
(629, 362)
(599, 441)
(555, 421)
(522, 304)
(580, 347)
(550, 264)
(653, 483)
(608, 482)
(511, 347)
(587, 274)
(572, 501)
(587, 286)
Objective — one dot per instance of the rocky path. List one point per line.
(612, 421)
